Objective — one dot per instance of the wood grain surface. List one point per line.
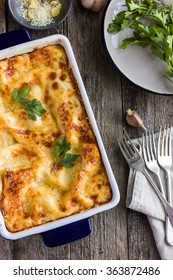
(120, 233)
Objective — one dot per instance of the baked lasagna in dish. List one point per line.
(36, 187)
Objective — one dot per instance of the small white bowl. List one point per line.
(15, 11)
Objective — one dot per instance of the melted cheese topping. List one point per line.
(31, 194)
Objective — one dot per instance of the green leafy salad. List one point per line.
(152, 25)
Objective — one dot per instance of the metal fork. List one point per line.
(164, 156)
(134, 159)
(150, 157)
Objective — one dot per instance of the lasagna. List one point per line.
(34, 191)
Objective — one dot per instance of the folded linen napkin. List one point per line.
(142, 198)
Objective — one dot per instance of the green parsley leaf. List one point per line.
(15, 93)
(34, 107)
(24, 92)
(61, 147)
(118, 23)
(61, 157)
(68, 160)
(157, 51)
(114, 27)
(64, 145)
(127, 42)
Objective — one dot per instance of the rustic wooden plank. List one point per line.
(5, 251)
(154, 110)
(163, 110)
(2, 16)
(33, 248)
(141, 243)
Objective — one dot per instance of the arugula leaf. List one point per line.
(34, 107)
(61, 148)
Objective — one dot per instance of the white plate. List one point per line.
(135, 62)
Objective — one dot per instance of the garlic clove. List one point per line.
(98, 5)
(87, 3)
(93, 5)
(134, 119)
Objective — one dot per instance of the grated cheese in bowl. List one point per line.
(40, 12)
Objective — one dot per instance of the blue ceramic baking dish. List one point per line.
(65, 234)
(76, 226)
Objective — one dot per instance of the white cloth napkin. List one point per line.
(142, 198)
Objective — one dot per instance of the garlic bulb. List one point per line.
(134, 119)
(93, 5)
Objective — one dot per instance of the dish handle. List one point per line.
(13, 38)
(66, 234)
(71, 232)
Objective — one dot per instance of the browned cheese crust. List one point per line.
(31, 193)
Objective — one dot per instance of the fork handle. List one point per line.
(169, 187)
(167, 206)
(168, 226)
(160, 185)
(169, 231)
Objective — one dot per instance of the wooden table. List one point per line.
(119, 233)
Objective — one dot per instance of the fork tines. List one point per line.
(149, 146)
(127, 147)
(164, 141)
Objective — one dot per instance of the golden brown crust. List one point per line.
(31, 193)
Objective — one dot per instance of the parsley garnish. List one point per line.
(152, 24)
(62, 158)
(34, 107)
